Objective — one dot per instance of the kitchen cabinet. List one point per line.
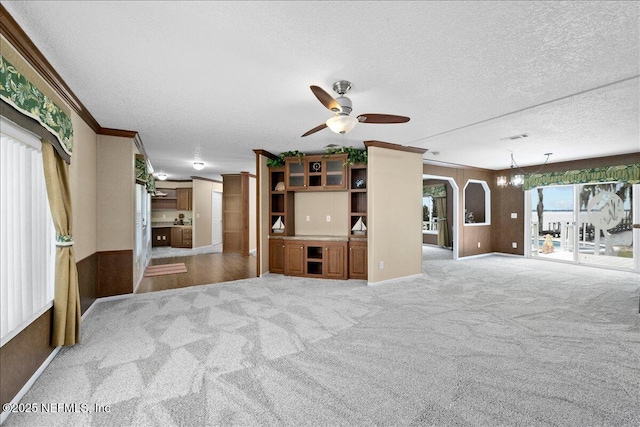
(161, 236)
(358, 261)
(184, 199)
(276, 256)
(316, 173)
(166, 202)
(181, 237)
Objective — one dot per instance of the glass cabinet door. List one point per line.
(335, 173)
(296, 176)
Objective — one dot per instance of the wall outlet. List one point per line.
(381, 265)
(328, 218)
(308, 218)
(478, 244)
(514, 215)
(514, 245)
(164, 216)
(197, 215)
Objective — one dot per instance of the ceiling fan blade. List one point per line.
(316, 129)
(326, 99)
(382, 118)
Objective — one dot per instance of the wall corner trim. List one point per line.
(395, 280)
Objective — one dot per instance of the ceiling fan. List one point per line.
(341, 122)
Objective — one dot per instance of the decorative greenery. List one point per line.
(279, 161)
(17, 91)
(354, 155)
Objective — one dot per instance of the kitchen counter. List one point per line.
(168, 224)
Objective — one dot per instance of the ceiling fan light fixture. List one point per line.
(341, 123)
(161, 176)
(198, 166)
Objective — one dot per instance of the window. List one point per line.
(429, 215)
(27, 235)
(477, 203)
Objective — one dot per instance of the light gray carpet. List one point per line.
(481, 342)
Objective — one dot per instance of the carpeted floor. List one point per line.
(481, 342)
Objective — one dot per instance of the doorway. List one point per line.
(590, 224)
(454, 224)
(216, 218)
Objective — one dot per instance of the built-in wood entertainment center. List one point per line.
(341, 256)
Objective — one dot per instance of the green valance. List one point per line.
(436, 190)
(143, 176)
(22, 95)
(625, 173)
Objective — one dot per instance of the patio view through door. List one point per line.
(583, 223)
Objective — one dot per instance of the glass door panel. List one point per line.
(584, 223)
(552, 222)
(605, 225)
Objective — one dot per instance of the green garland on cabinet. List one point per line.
(354, 156)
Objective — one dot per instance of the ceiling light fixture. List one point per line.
(341, 123)
(161, 176)
(198, 166)
(517, 177)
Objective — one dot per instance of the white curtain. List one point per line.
(27, 236)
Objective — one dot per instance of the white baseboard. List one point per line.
(397, 279)
(18, 397)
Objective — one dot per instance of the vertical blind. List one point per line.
(27, 235)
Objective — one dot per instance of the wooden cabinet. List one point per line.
(235, 213)
(316, 173)
(358, 261)
(335, 261)
(315, 259)
(276, 256)
(294, 258)
(187, 237)
(181, 237)
(180, 199)
(166, 202)
(184, 198)
(161, 236)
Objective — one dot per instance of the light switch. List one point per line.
(514, 215)
(308, 217)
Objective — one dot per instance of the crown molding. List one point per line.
(25, 47)
(397, 147)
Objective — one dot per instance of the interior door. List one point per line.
(216, 217)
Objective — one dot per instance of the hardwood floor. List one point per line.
(201, 270)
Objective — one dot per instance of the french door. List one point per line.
(584, 224)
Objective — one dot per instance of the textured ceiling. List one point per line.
(213, 80)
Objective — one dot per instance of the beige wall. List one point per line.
(202, 211)
(394, 197)
(83, 183)
(116, 193)
(317, 206)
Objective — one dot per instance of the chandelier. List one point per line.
(517, 176)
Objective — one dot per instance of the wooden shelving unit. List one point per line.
(357, 196)
(280, 203)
